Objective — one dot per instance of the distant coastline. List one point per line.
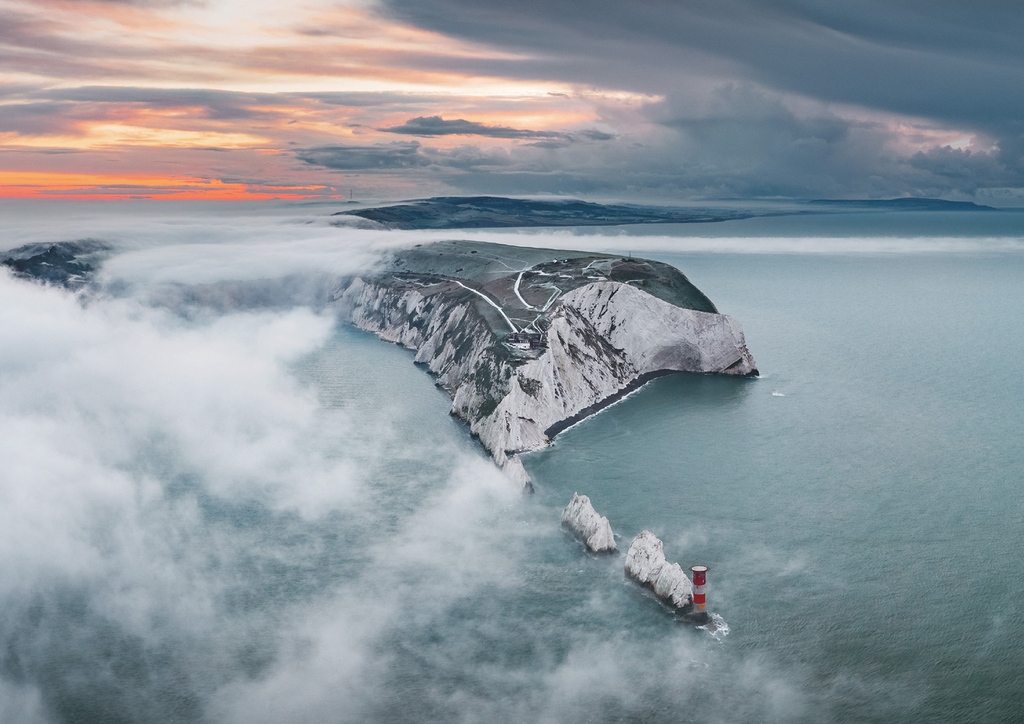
(902, 204)
(477, 212)
(494, 212)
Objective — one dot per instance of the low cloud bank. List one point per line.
(180, 507)
(247, 514)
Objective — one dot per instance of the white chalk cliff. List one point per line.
(645, 562)
(590, 527)
(598, 341)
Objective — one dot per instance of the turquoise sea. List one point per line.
(859, 506)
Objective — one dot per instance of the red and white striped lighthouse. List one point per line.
(700, 574)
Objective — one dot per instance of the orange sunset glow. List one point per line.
(180, 101)
(42, 185)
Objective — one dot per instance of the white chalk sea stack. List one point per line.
(590, 527)
(645, 563)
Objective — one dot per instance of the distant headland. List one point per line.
(910, 203)
(478, 212)
(493, 212)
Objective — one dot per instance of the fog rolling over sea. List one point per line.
(246, 512)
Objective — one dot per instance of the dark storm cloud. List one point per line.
(954, 65)
(401, 155)
(965, 171)
(438, 126)
(432, 126)
(377, 157)
(937, 58)
(745, 143)
(748, 142)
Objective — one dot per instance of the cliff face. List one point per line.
(595, 340)
(605, 338)
(441, 323)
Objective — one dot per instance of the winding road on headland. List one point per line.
(491, 302)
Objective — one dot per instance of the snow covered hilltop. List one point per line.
(528, 341)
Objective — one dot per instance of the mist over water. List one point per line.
(226, 507)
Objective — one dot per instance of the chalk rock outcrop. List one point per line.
(593, 529)
(646, 564)
(527, 347)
